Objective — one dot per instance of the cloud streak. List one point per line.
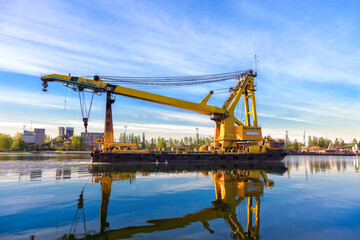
(308, 62)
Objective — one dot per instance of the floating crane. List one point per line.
(230, 135)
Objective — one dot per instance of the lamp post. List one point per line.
(197, 136)
(125, 134)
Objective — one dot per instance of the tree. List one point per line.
(18, 143)
(354, 142)
(5, 142)
(152, 144)
(191, 144)
(337, 142)
(52, 146)
(76, 143)
(143, 141)
(46, 138)
(309, 141)
(186, 141)
(171, 143)
(67, 145)
(287, 141)
(296, 145)
(322, 142)
(315, 141)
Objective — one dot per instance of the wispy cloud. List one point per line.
(305, 59)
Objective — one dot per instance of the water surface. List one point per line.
(64, 197)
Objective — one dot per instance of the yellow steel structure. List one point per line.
(231, 189)
(229, 135)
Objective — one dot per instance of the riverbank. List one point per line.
(322, 154)
(44, 152)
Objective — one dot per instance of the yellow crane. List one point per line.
(230, 134)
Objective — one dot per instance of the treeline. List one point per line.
(160, 143)
(318, 142)
(75, 143)
(15, 143)
(325, 143)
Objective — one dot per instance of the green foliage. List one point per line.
(17, 143)
(143, 143)
(287, 142)
(186, 141)
(171, 143)
(152, 144)
(5, 142)
(76, 143)
(47, 138)
(320, 142)
(67, 145)
(61, 148)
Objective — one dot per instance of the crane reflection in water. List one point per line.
(235, 189)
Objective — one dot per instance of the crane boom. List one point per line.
(100, 86)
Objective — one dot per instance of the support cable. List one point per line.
(172, 81)
(84, 111)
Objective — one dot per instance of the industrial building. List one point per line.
(89, 138)
(35, 137)
(61, 131)
(66, 131)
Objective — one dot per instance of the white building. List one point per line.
(34, 137)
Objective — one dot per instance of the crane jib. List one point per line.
(75, 79)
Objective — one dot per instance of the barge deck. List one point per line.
(178, 158)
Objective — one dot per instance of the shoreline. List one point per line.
(322, 154)
(44, 152)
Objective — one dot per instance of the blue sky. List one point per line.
(308, 77)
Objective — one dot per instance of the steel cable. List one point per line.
(172, 81)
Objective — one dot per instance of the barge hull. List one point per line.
(189, 158)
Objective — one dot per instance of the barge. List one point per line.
(188, 158)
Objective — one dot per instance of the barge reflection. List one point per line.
(233, 186)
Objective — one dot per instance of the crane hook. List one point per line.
(85, 120)
(45, 85)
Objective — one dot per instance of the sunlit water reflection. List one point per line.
(64, 197)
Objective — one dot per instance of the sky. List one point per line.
(308, 62)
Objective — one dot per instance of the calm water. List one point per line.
(64, 197)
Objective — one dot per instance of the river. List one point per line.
(49, 196)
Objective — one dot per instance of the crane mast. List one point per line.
(229, 135)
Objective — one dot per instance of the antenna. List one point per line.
(304, 139)
(256, 63)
